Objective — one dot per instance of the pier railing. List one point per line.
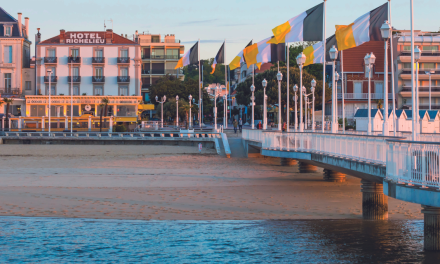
(414, 162)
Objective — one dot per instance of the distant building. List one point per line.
(210, 90)
(160, 55)
(16, 76)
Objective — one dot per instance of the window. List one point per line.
(123, 90)
(124, 71)
(75, 71)
(378, 87)
(430, 48)
(98, 53)
(98, 71)
(98, 90)
(407, 65)
(8, 31)
(8, 80)
(75, 90)
(124, 53)
(126, 110)
(358, 87)
(7, 54)
(52, 90)
(28, 85)
(38, 110)
(75, 110)
(428, 66)
(51, 53)
(407, 48)
(75, 53)
(53, 69)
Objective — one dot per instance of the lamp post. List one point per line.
(252, 98)
(215, 107)
(333, 52)
(190, 120)
(385, 30)
(417, 54)
(369, 61)
(429, 74)
(224, 111)
(279, 78)
(49, 72)
(177, 111)
(162, 100)
(295, 98)
(313, 105)
(336, 101)
(264, 105)
(300, 60)
(305, 108)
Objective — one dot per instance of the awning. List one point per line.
(146, 107)
(125, 119)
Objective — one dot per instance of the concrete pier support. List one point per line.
(431, 227)
(288, 162)
(307, 168)
(334, 176)
(374, 202)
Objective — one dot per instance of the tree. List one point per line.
(192, 72)
(104, 104)
(8, 102)
(379, 103)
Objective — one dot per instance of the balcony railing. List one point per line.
(53, 79)
(74, 79)
(172, 72)
(9, 91)
(424, 53)
(157, 71)
(146, 72)
(50, 59)
(421, 89)
(74, 59)
(98, 60)
(172, 57)
(146, 56)
(123, 59)
(98, 79)
(123, 79)
(421, 71)
(146, 85)
(160, 41)
(364, 96)
(157, 57)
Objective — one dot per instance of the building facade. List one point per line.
(160, 55)
(429, 64)
(16, 77)
(90, 65)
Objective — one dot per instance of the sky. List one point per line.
(236, 21)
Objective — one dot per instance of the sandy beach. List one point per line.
(169, 182)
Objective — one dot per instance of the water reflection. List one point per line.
(108, 241)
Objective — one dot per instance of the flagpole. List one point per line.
(288, 88)
(226, 84)
(200, 91)
(323, 71)
(392, 70)
(343, 92)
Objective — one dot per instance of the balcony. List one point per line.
(172, 57)
(158, 57)
(422, 89)
(424, 53)
(421, 71)
(98, 60)
(123, 60)
(157, 40)
(9, 91)
(73, 59)
(426, 56)
(173, 72)
(123, 79)
(75, 79)
(157, 71)
(146, 56)
(364, 96)
(146, 72)
(146, 85)
(50, 60)
(98, 79)
(53, 79)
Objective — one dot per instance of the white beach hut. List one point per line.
(390, 119)
(424, 121)
(433, 121)
(403, 123)
(361, 118)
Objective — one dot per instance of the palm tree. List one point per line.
(184, 107)
(379, 103)
(100, 123)
(8, 102)
(104, 104)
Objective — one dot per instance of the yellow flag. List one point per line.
(344, 37)
(250, 54)
(235, 63)
(280, 33)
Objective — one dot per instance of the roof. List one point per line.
(364, 112)
(6, 17)
(116, 39)
(432, 114)
(264, 67)
(389, 112)
(354, 57)
(408, 113)
(400, 112)
(422, 113)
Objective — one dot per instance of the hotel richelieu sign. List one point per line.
(85, 38)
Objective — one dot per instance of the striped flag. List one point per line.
(365, 28)
(220, 58)
(307, 26)
(190, 57)
(315, 53)
(263, 52)
(235, 63)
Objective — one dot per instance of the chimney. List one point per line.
(62, 35)
(38, 37)
(19, 25)
(26, 23)
(108, 36)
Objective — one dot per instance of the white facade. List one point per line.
(376, 123)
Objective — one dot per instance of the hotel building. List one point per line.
(160, 55)
(92, 65)
(16, 76)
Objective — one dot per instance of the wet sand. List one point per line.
(169, 182)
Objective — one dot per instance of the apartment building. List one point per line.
(89, 65)
(160, 55)
(429, 64)
(16, 76)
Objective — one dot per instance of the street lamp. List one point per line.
(333, 52)
(225, 107)
(264, 105)
(190, 120)
(177, 111)
(162, 100)
(369, 60)
(215, 89)
(313, 105)
(336, 101)
(279, 78)
(385, 30)
(300, 60)
(252, 98)
(49, 72)
(295, 98)
(417, 54)
(429, 74)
